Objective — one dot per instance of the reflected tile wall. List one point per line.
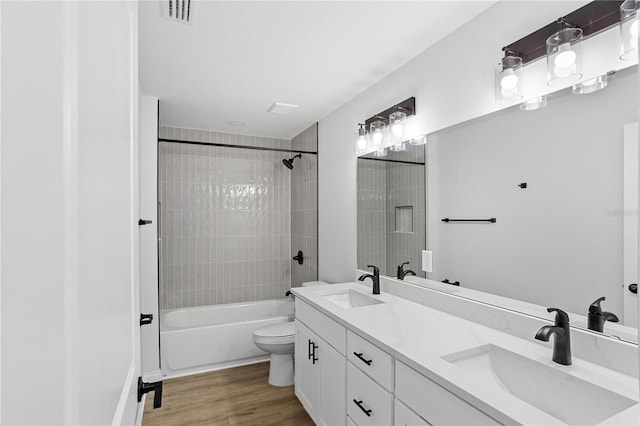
(372, 221)
(225, 220)
(406, 187)
(304, 207)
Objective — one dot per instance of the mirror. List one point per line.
(391, 211)
(562, 185)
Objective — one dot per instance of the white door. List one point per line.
(630, 223)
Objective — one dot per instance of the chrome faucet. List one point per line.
(401, 273)
(562, 340)
(375, 278)
(597, 318)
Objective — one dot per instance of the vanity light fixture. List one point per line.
(387, 129)
(629, 30)
(508, 79)
(560, 41)
(564, 59)
(592, 85)
(534, 103)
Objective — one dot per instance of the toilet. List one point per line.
(278, 340)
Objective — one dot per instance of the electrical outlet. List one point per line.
(427, 261)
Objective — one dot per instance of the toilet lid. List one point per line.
(284, 329)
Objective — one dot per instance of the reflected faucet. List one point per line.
(597, 318)
(562, 340)
(375, 278)
(401, 273)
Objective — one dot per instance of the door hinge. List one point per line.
(146, 319)
(156, 387)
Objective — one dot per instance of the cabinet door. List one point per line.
(306, 372)
(333, 383)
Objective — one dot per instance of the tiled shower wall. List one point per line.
(372, 203)
(225, 219)
(406, 187)
(304, 207)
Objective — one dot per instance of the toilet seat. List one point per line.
(282, 333)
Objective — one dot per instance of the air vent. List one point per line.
(178, 10)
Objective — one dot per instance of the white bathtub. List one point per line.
(207, 338)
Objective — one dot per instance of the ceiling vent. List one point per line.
(280, 108)
(178, 10)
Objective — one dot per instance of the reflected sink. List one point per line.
(351, 299)
(561, 395)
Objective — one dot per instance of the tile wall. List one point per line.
(405, 187)
(304, 207)
(225, 219)
(372, 205)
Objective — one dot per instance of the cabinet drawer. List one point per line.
(405, 417)
(372, 360)
(367, 402)
(332, 332)
(435, 404)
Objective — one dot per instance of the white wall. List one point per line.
(452, 81)
(69, 106)
(32, 194)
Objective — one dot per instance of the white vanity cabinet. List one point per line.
(320, 369)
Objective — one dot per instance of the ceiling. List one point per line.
(238, 57)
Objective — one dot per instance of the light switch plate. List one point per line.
(427, 261)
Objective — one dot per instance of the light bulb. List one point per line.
(397, 129)
(565, 57)
(362, 143)
(509, 80)
(377, 137)
(563, 71)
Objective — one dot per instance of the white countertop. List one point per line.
(419, 336)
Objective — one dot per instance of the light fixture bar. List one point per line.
(591, 18)
(408, 106)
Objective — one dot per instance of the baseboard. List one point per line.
(140, 412)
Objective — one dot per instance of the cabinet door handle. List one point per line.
(314, 353)
(359, 404)
(309, 349)
(361, 358)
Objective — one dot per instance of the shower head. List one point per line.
(289, 162)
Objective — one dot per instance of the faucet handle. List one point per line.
(562, 318)
(595, 308)
(375, 269)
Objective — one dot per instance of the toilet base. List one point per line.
(281, 370)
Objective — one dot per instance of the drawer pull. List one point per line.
(366, 361)
(309, 349)
(313, 354)
(359, 404)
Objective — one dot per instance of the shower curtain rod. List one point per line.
(226, 145)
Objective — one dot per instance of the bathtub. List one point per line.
(207, 338)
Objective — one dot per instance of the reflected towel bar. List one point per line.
(492, 220)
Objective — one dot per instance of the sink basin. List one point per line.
(351, 299)
(561, 395)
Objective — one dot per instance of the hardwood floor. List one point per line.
(237, 396)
